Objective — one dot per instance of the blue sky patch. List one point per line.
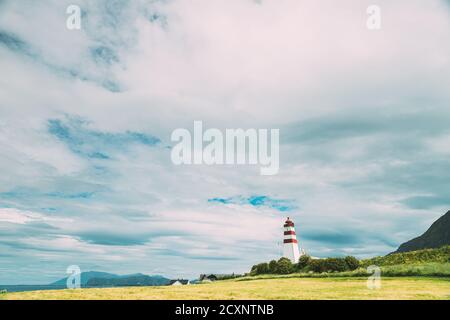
(93, 144)
(282, 205)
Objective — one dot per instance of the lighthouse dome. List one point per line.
(289, 223)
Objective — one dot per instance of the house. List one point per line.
(179, 282)
(208, 277)
(216, 276)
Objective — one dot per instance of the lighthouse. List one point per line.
(290, 243)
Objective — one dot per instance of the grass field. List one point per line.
(275, 288)
(430, 269)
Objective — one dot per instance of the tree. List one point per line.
(335, 264)
(261, 268)
(273, 266)
(352, 262)
(328, 265)
(318, 265)
(284, 266)
(303, 262)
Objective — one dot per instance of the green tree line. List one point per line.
(306, 264)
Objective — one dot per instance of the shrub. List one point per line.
(273, 265)
(328, 265)
(336, 264)
(229, 276)
(303, 262)
(284, 266)
(318, 265)
(352, 263)
(262, 268)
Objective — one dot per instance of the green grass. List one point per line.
(440, 255)
(257, 288)
(431, 269)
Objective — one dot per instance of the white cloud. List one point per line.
(16, 216)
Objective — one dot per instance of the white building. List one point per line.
(290, 242)
(179, 282)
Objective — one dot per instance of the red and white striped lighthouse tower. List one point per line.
(290, 243)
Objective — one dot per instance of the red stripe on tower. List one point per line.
(290, 241)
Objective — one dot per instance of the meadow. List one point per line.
(422, 274)
(275, 287)
(430, 269)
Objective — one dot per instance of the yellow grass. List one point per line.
(294, 288)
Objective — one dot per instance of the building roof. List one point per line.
(208, 276)
(182, 281)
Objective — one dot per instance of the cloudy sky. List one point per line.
(86, 117)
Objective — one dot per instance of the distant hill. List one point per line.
(436, 236)
(440, 255)
(85, 277)
(132, 280)
(101, 279)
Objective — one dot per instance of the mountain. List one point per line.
(85, 277)
(95, 278)
(436, 236)
(132, 280)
